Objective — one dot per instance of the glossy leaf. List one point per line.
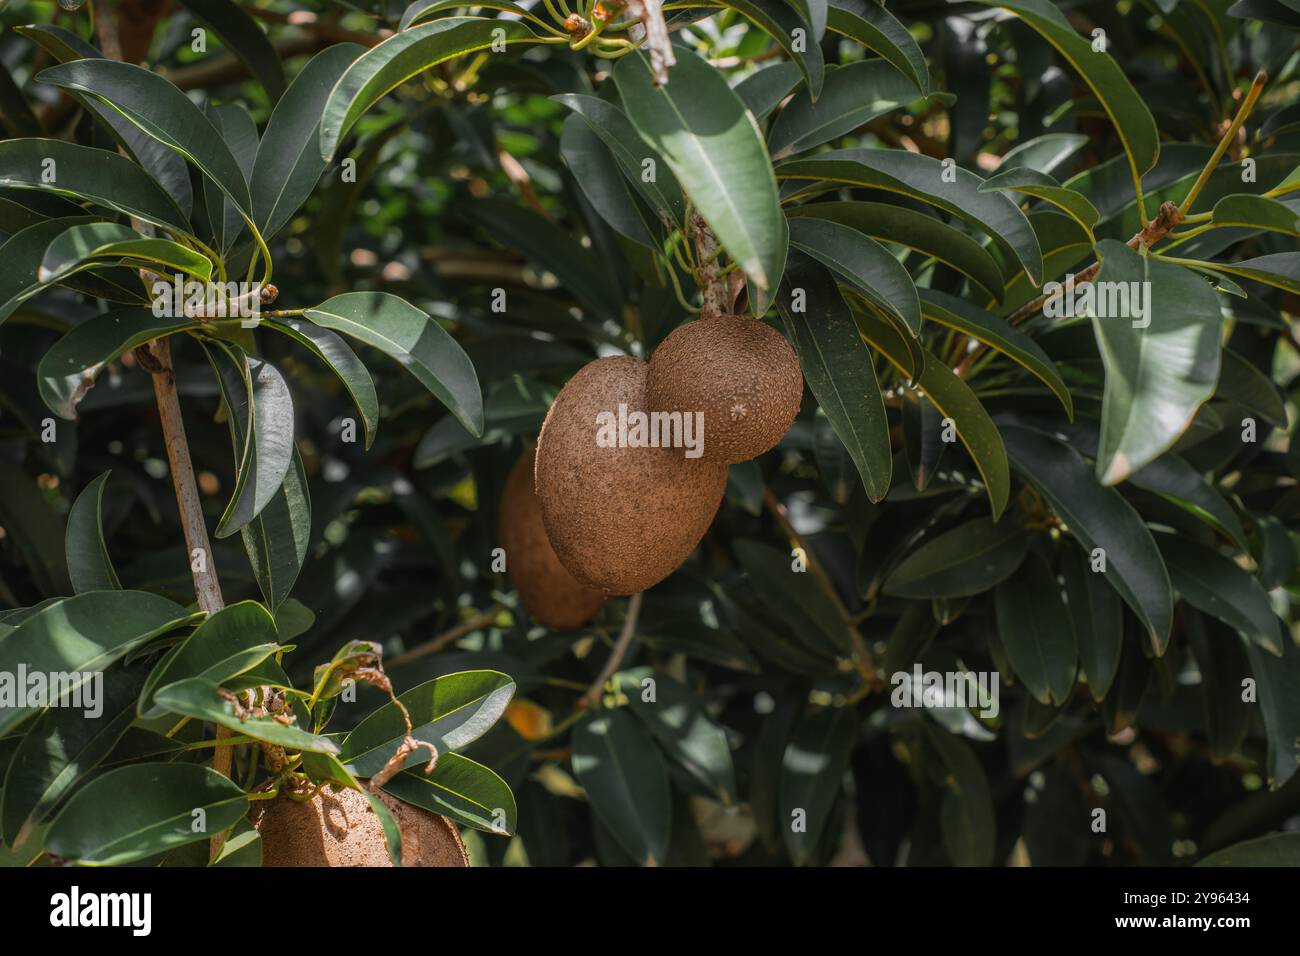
(201, 699)
(927, 179)
(89, 565)
(838, 369)
(812, 771)
(915, 230)
(241, 35)
(712, 145)
(969, 559)
(343, 362)
(276, 540)
(617, 763)
(154, 811)
(1097, 618)
(288, 163)
(1099, 517)
(871, 25)
(955, 401)
(403, 332)
(98, 175)
(853, 95)
(461, 789)
(449, 712)
(1160, 366)
(83, 634)
(1036, 632)
(1216, 585)
(261, 431)
(389, 64)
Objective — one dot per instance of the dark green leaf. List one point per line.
(89, 565)
(967, 560)
(1036, 632)
(812, 776)
(241, 35)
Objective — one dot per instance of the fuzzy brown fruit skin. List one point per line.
(338, 828)
(553, 596)
(620, 519)
(740, 372)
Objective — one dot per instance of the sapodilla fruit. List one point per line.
(338, 828)
(620, 518)
(740, 372)
(553, 596)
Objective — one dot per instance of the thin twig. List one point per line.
(713, 287)
(617, 654)
(449, 636)
(862, 657)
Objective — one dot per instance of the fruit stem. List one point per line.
(616, 656)
(712, 285)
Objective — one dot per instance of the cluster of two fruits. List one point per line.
(589, 518)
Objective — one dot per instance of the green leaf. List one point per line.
(60, 749)
(782, 23)
(1097, 618)
(402, 331)
(241, 35)
(966, 817)
(229, 643)
(288, 163)
(1256, 212)
(1126, 109)
(166, 167)
(89, 565)
(853, 96)
(36, 531)
(812, 775)
(1274, 850)
(1160, 367)
(923, 443)
(276, 540)
(923, 233)
(999, 335)
(1281, 270)
(201, 699)
(597, 174)
(556, 249)
(98, 243)
(461, 789)
(956, 402)
(261, 430)
(426, 9)
(1173, 478)
(243, 847)
(1043, 154)
(334, 352)
(871, 25)
(449, 712)
(154, 810)
(237, 129)
(683, 728)
(1243, 383)
(1280, 707)
(712, 145)
(967, 560)
(1214, 584)
(838, 369)
(391, 63)
(950, 188)
(162, 111)
(763, 90)
(67, 371)
(1099, 517)
(103, 177)
(616, 761)
(83, 634)
(1022, 179)
(633, 155)
(1036, 632)
(864, 264)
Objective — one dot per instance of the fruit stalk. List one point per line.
(616, 656)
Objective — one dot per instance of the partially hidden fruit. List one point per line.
(740, 372)
(553, 596)
(620, 518)
(338, 828)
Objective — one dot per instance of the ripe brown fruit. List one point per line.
(553, 596)
(338, 828)
(740, 372)
(620, 518)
